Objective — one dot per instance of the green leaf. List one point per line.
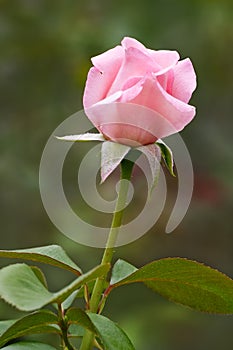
(82, 137)
(51, 254)
(40, 275)
(29, 346)
(111, 335)
(78, 316)
(43, 321)
(167, 156)
(188, 283)
(121, 270)
(4, 325)
(69, 301)
(112, 154)
(76, 331)
(20, 287)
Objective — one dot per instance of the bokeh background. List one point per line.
(45, 53)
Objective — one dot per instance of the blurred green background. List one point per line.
(44, 59)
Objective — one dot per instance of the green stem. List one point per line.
(64, 329)
(126, 171)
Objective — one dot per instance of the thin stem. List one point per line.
(126, 170)
(64, 329)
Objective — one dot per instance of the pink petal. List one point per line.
(128, 123)
(184, 80)
(176, 112)
(109, 61)
(97, 86)
(166, 80)
(101, 77)
(128, 42)
(111, 99)
(136, 63)
(165, 58)
(131, 89)
(127, 134)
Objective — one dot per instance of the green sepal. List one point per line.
(167, 156)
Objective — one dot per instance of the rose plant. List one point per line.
(134, 96)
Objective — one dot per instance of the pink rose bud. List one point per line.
(134, 95)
